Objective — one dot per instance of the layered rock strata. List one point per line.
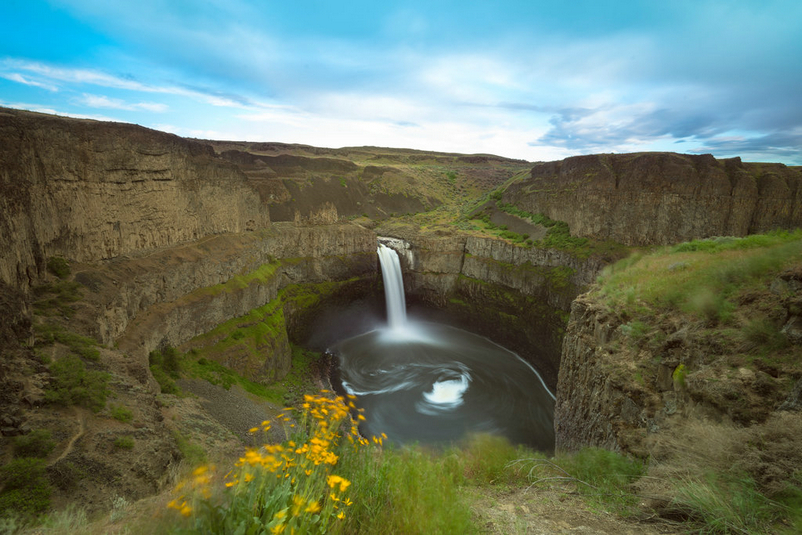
(90, 190)
(661, 198)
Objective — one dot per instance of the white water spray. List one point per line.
(393, 288)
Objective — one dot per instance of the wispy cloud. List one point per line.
(17, 77)
(101, 101)
(83, 77)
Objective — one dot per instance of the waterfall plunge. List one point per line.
(393, 288)
(430, 383)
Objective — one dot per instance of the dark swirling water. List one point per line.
(431, 383)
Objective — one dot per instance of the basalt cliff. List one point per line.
(230, 250)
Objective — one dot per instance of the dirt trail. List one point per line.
(81, 418)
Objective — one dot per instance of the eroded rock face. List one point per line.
(92, 190)
(620, 391)
(661, 198)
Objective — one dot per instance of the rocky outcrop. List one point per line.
(92, 190)
(661, 198)
(622, 382)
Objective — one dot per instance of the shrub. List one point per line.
(166, 382)
(122, 414)
(81, 345)
(168, 359)
(124, 443)
(73, 384)
(38, 443)
(58, 266)
(26, 490)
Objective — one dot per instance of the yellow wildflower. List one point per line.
(313, 507)
(199, 471)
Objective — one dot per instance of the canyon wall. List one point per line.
(661, 198)
(90, 190)
(622, 382)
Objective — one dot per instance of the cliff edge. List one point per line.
(90, 190)
(661, 198)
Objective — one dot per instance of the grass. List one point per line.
(192, 453)
(280, 393)
(711, 273)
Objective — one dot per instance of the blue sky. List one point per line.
(525, 79)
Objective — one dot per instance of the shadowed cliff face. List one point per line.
(661, 198)
(90, 190)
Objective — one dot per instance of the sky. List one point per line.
(535, 80)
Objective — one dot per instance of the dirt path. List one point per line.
(81, 417)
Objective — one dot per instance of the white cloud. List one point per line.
(17, 77)
(102, 79)
(101, 101)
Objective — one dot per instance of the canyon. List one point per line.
(231, 250)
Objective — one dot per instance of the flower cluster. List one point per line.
(283, 488)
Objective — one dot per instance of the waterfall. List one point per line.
(393, 287)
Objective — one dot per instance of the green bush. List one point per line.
(636, 330)
(168, 359)
(54, 299)
(73, 384)
(58, 266)
(122, 414)
(124, 443)
(38, 443)
(82, 345)
(26, 490)
(166, 382)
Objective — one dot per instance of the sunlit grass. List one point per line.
(699, 277)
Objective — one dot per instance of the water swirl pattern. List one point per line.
(433, 383)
